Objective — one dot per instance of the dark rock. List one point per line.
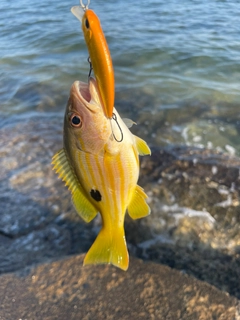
(193, 194)
(34, 247)
(66, 290)
(194, 225)
(37, 220)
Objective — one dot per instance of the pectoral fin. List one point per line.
(128, 122)
(142, 147)
(65, 171)
(138, 207)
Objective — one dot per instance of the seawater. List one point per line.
(177, 64)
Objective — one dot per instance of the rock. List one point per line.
(37, 219)
(66, 290)
(193, 194)
(194, 225)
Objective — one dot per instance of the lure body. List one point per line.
(100, 56)
(100, 172)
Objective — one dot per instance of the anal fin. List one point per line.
(83, 206)
(138, 208)
(65, 171)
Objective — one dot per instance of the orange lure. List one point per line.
(100, 56)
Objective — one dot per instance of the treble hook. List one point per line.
(85, 7)
(114, 117)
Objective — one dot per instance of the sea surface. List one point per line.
(177, 65)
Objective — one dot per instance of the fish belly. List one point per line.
(109, 183)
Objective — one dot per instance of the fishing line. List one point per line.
(114, 117)
(91, 68)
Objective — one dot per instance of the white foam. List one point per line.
(214, 169)
(230, 149)
(181, 212)
(226, 203)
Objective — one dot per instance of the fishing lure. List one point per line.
(100, 58)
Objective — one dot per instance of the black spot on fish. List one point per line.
(96, 195)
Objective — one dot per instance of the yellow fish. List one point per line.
(99, 55)
(100, 165)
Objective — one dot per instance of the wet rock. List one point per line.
(16, 203)
(37, 219)
(194, 225)
(193, 194)
(34, 247)
(66, 290)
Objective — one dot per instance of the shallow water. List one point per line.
(177, 64)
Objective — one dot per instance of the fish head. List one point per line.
(85, 125)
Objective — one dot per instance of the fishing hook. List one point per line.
(84, 6)
(91, 68)
(114, 117)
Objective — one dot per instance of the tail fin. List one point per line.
(109, 248)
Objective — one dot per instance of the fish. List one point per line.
(99, 54)
(99, 163)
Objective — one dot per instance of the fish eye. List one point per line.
(87, 24)
(76, 121)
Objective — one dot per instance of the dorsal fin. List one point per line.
(142, 147)
(65, 171)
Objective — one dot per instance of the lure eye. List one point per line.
(87, 24)
(76, 121)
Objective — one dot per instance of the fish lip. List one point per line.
(81, 91)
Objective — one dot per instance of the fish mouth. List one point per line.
(83, 90)
(87, 94)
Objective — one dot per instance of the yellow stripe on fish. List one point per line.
(99, 55)
(100, 172)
